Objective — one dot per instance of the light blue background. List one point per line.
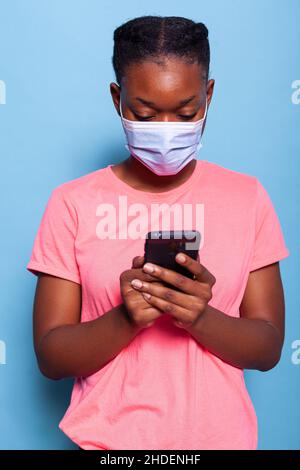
(59, 123)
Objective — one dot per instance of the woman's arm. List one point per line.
(253, 341)
(65, 347)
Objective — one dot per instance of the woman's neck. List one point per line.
(134, 173)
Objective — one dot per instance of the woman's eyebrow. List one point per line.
(187, 100)
(152, 105)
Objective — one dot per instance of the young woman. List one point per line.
(156, 365)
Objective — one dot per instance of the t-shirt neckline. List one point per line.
(120, 185)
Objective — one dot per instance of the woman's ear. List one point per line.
(115, 91)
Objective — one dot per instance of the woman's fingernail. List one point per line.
(137, 283)
(180, 257)
(148, 268)
(146, 295)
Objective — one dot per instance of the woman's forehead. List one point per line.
(163, 81)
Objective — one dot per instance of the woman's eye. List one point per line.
(143, 118)
(186, 117)
(181, 116)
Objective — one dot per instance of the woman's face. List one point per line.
(170, 91)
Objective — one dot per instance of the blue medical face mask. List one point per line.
(163, 147)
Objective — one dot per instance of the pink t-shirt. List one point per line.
(164, 390)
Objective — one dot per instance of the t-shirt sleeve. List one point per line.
(269, 245)
(54, 245)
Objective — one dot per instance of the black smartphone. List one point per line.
(161, 248)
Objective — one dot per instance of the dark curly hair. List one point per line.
(157, 37)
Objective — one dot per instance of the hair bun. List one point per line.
(200, 31)
(133, 33)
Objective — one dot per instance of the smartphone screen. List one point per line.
(161, 248)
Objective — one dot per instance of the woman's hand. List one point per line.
(141, 313)
(185, 305)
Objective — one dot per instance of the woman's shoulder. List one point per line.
(229, 175)
(230, 180)
(82, 186)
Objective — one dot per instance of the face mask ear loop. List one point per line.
(122, 120)
(205, 113)
(202, 119)
(200, 145)
(120, 108)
